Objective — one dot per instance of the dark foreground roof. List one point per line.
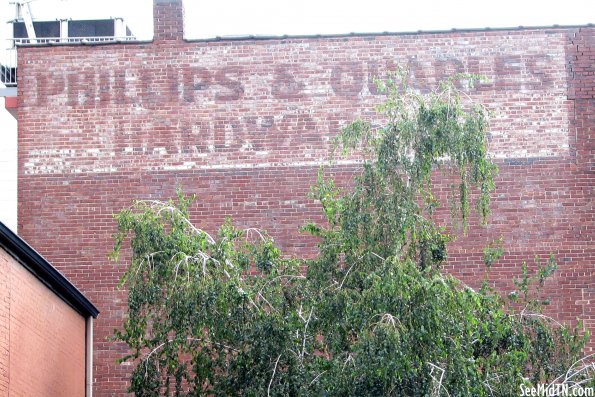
(44, 271)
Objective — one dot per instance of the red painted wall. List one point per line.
(245, 124)
(42, 339)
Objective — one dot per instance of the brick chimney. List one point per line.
(168, 20)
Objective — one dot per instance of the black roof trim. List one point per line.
(49, 275)
(368, 34)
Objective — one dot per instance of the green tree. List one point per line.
(374, 315)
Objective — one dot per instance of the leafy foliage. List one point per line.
(373, 315)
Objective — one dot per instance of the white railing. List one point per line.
(8, 51)
(71, 40)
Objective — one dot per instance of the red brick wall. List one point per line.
(245, 124)
(42, 339)
(4, 324)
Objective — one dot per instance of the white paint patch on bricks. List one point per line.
(244, 105)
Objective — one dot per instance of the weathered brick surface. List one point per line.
(245, 124)
(42, 339)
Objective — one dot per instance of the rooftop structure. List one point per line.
(27, 31)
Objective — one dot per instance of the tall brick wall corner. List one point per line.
(581, 70)
(581, 67)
